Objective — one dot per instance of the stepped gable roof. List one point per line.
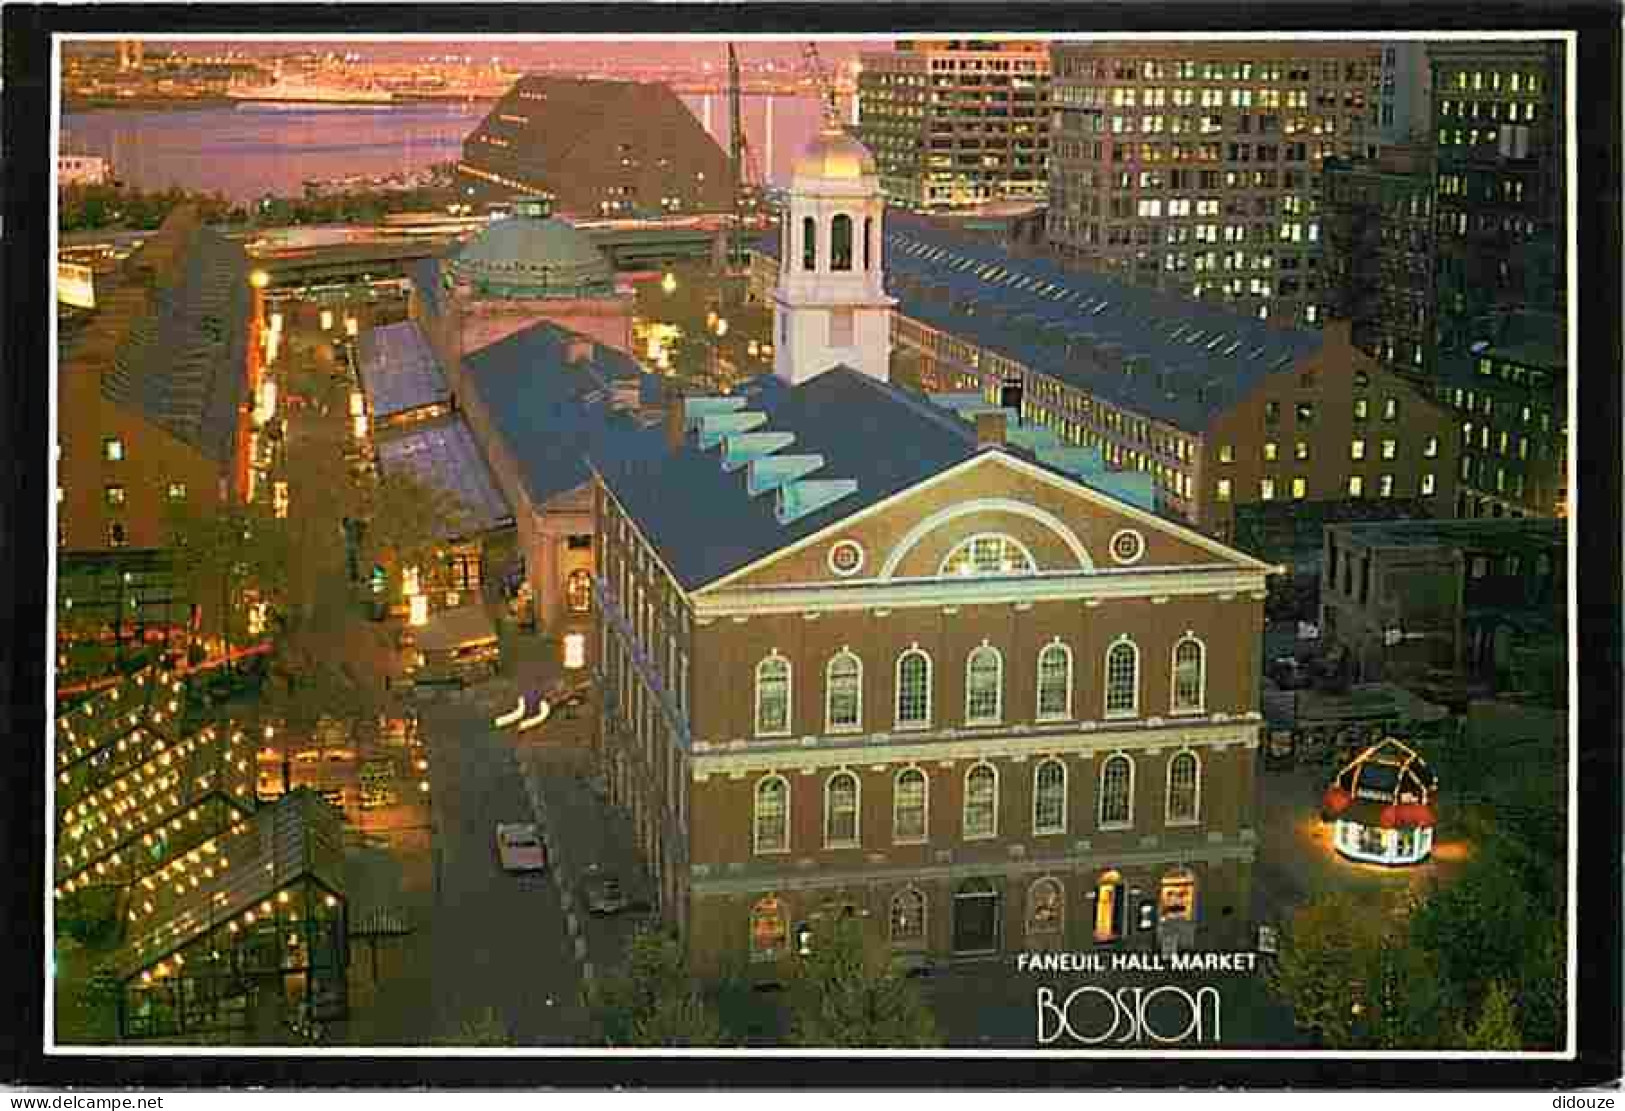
(1175, 359)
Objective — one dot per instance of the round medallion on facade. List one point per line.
(846, 558)
(1127, 546)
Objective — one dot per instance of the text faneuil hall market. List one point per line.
(1239, 963)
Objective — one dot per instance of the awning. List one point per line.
(451, 629)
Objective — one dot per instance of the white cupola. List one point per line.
(830, 307)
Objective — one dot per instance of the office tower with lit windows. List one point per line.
(1499, 130)
(958, 123)
(1195, 167)
(1405, 99)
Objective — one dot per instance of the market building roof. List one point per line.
(530, 256)
(444, 455)
(297, 838)
(1171, 358)
(399, 371)
(1477, 533)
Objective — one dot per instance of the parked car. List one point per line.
(520, 848)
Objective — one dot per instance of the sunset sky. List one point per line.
(563, 50)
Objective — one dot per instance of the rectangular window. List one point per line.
(1271, 451)
(115, 495)
(1227, 453)
(1272, 412)
(1266, 489)
(1356, 486)
(1385, 486)
(112, 449)
(1300, 450)
(1300, 488)
(1390, 449)
(1390, 409)
(579, 543)
(1357, 449)
(1427, 484)
(177, 491)
(1306, 412)
(116, 536)
(1362, 410)
(1223, 490)
(1431, 451)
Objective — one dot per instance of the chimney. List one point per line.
(990, 430)
(1011, 390)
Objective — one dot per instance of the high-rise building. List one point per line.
(957, 123)
(1499, 128)
(1195, 167)
(598, 148)
(1378, 230)
(1405, 101)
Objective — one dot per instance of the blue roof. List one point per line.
(425, 275)
(444, 455)
(1186, 360)
(399, 371)
(705, 524)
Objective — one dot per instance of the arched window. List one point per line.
(767, 931)
(809, 243)
(1110, 907)
(843, 693)
(908, 917)
(1049, 797)
(1046, 907)
(841, 811)
(773, 696)
(578, 591)
(772, 815)
(981, 817)
(913, 689)
(984, 686)
(868, 242)
(840, 242)
(1190, 676)
(1122, 679)
(1117, 792)
(910, 800)
(1184, 789)
(1055, 682)
(988, 554)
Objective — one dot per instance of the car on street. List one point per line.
(520, 848)
(604, 893)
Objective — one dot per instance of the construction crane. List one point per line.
(826, 87)
(747, 176)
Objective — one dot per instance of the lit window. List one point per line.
(908, 917)
(1390, 449)
(1300, 488)
(578, 591)
(1301, 450)
(115, 495)
(1223, 490)
(843, 693)
(984, 678)
(1178, 895)
(1116, 792)
(913, 689)
(1266, 489)
(1357, 449)
(1046, 907)
(1431, 450)
(767, 927)
(1190, 676)
(773, 696)
(772, 816)
(1362, 409)
(1055, 682)
(1183, 789)
(177, 491)
(1385, 486)
(1356, 486)
(1227, 453)
(1271, 451)
(116, 536)
(981, 811)
(909, 801)
(989, 554)
(1049, 797)
(841, 811)
(1122, 679)
(112, 449)
(1428, 485)
(1390, 409)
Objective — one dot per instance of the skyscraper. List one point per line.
(957, 123)
(1196, 167)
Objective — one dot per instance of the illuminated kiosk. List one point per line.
(1381, 806)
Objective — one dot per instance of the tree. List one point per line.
(1497, 1024)
(654, 1001)
(848, 992)
(234, 553)
(1331, 957)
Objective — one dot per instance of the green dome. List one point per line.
(529, 257)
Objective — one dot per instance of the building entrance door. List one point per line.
(978, 912)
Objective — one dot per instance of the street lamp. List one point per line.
(259, 279)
